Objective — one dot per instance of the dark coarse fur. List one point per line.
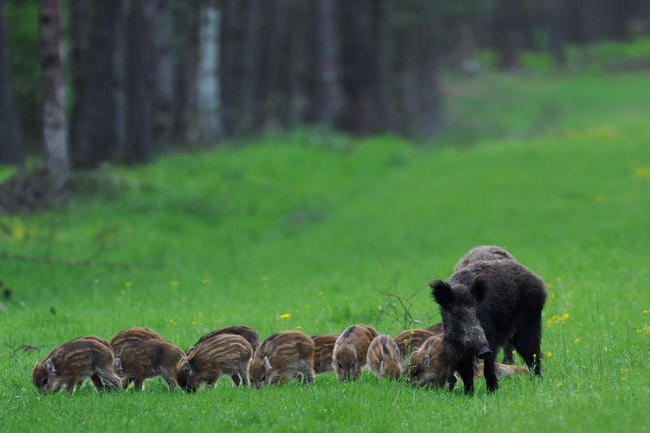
(495, 301)
(71, 363)
(141, 360)
(410, 340)
(222, 354)
(281, 357)
(130, 335)
(323, 349)
(351, 349)
(251, 335)
(488, 253)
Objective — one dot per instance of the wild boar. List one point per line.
(251, 335)
(141, 360)
(410, 340)
(485, 305)
(71, 363)
(222, 354)
(502, 370)
(282, 356)
(132, 334)
(323, 350)
(350, 351)
(483, 253)
(384, 358)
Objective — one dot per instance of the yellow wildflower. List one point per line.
(96, 281)
(193, 322)
(412, 332)
(642, 172)
(645, 311)
(576, 341)
(549, 354)
(128, 284)
(622, 378)
(299, 328)
(286, 316)
(549, 285)
(205, 281)
(320, 293)
(558, 385)
(265, 278)
(623, 370)
(558, 279)
(173, 283)
(406, 340)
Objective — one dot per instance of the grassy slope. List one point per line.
(311, 226)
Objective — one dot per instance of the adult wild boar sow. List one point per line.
(485, 305)
(71, 363)
(483, 253)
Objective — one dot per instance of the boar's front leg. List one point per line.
(97, 382)
(489, 372)
(466, 371)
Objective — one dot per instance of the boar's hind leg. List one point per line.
(527, 341)
(111, 381)
(99, 385)
(466, 371)
(507, 353)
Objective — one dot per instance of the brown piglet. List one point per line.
(71, 363)
(384, 358)
(251, 335)
(350, 350)
(410, 340)
(133, 334)
(223, 354)
(431, 365)
(282, 356)
(323, 350)
(141, 360)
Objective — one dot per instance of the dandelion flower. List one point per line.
(173, 283)
(205, 281)
(558, 385)
(558, 279)
(265, 278)
(96, 281)
(299, 328)
(644, 311)
(576, 341)
(549, 285)
(128, 284)
(549, 354)
(286, 316)
(623, 378)
(412, 332)
(623, 370)
(320, 293)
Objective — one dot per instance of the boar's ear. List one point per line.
(50, 366)
(426, 360)
(267, 363)
(186, 368)
(479, 289)
(382, 365)
(441, 292)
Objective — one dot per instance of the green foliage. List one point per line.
(312, 225)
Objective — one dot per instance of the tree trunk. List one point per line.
(329, 97)
(54, 122)
(509, 18)
(11, 150)
(250, 104)
(164, 71)
(140, 86)
(95, 113)
(230, 51)
(209, 97)
(185, 72)
(554, 17)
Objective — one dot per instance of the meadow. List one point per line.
(304, 230)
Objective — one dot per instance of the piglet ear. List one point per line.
(186, 368)
(50, 366)
(382, 365)
(426, 360)
(267, 363)
(441, 292)
(479, 289)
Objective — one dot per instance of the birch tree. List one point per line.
(208, 74)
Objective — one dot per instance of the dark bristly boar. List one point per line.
(282, 356)
(132, 334)
(350, 351)
(141, 360)
(323, 350)
(71, 363)
(384, 358)
(222, 354)
(485, 305)
(410, 340)
(251, 335)
(483, 253)
(488, 253)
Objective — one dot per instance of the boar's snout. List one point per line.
(484, 353)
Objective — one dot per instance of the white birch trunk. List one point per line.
(209, 106)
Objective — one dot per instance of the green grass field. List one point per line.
(317, 226)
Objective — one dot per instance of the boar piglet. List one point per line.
(71, 363)
(323, 350)
(384, 358)
(410, 340)
(282, 356)
(141, 360)
(435, 329)
(350, 351)
(251, 335)
(487, 304)
(132, 334)
(431, 364)
(222, 354)
(502, 370)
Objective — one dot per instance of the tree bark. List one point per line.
(95, 112)
(164, 71)
(250, 104)
(329, 97)
(11, 150)
(54, 122)
(140, 86)
(209, 97)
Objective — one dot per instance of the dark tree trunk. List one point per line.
(54, 122)
(95, 112)
(140, 85)
(230, 50)
(11, 150)
(329, 97)
(185, 72)
(251, 55)
(510, 18)
(164, 71)
(554, 18)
